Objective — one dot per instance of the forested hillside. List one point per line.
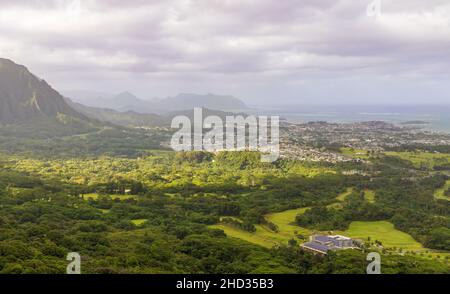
(155, 214)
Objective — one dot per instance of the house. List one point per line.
(320, 244)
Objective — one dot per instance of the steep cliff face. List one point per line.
(24, 97)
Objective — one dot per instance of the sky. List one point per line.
(269, 52)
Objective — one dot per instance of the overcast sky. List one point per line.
(263, 51)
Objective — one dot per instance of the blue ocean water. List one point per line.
(437, 117)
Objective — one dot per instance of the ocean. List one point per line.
(435, 117)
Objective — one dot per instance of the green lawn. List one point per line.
(390, 237)
(355, 153)
(423, 159)
(138, 222)
(286, 223)
(123, 197)
(369, 195)
(284, 220)
(340, 198)
(264, 236)
(439, 194)
(260, 237)
(382, 231)
(94, 196)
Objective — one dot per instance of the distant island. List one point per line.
(415, 122)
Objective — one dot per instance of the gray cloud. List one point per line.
(290, 50)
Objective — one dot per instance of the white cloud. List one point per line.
(246, 44)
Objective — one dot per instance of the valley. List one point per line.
(105, 184)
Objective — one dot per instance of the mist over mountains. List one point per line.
(127, 101)
(29, 106)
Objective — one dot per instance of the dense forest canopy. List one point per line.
(154, 213)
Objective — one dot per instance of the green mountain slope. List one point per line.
(29, 106)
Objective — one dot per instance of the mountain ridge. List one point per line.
(25, 97)
(31, 108)
(135, 119)
(127, 101)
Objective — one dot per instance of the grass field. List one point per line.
(138, 222)
(390, 238)
(94, 196)
(423, 159)
(340, 198)
(369, 195)
(311, 171)
(355, 153)
(286, 218)
(286, 224)
(382, 231)
(439, 194)
(264, 236)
